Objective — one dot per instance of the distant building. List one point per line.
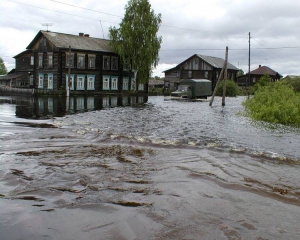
(94, 67)
(198, 67)
(256, 74)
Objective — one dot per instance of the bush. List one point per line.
(276, 103)
(293, 82)
(232, 89)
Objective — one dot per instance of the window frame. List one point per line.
(90, 79)
(114, 63)
(31, 80)
(106, 64)
(32, 60)
(106, 82)
(41, 81)
(41, 59)
(50, 56)
(50, 80)
(78, 77)
(93, 58)
(69, 60)
(126, 66)
(72, 81)
(125, 83)
(81, 66)
(114, 82)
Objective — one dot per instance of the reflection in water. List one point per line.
(48, 107)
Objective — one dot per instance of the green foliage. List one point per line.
(136, 40)
(265, 80)
(232, 89)
(293, 82)
(3, 69)
(275, 103)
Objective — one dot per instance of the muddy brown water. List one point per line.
(123, 168)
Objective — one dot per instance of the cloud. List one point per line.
(196, 26)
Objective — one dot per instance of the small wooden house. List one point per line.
(198, 67)
(256, 74)
(56, 61)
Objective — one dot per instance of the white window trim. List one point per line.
(41, 80)
(125, 83)
(106, 79)
(31, 60)
(91, 79)
(50, 82)
(79, 76)
(114, 83)
(72, 81)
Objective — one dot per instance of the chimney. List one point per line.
(81, 34)
(86, 35)
(259, 66)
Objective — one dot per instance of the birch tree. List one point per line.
(136, 39)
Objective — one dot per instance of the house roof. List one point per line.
(262, 70)
(213, 61)
(63, 41)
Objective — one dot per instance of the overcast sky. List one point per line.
(188, 27)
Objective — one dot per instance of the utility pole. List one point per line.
(249, 63)
(220, 76)
(225, 78)
(69, 72)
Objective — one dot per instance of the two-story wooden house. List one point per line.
(198, 67)
(55, 61)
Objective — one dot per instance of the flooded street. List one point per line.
(124, 168)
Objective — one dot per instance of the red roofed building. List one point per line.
(256, 74)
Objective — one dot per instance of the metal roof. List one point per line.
(63, 41)
(217, 62)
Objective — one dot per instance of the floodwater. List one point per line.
(123, 168)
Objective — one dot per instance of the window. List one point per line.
(80, 82)
(44, 42)
(132, 87)
(91, 61)
(206, 74)
(69, 59)
(32, 60)
(196, 61)
(31, 80)
(41, 80)
(106, 83)
(141, 87)
(91, 82)
(125, 83)
(50, 81)
(114, 63)
(71, 81)
(40, 60)
(106, 61)
(114, 83)
(190, 74)
(80, 61)
(50, 59)
(126, 66)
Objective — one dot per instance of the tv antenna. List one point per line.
(47, 24)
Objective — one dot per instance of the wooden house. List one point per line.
(198, 67)
(55, 61)
(256, 74)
